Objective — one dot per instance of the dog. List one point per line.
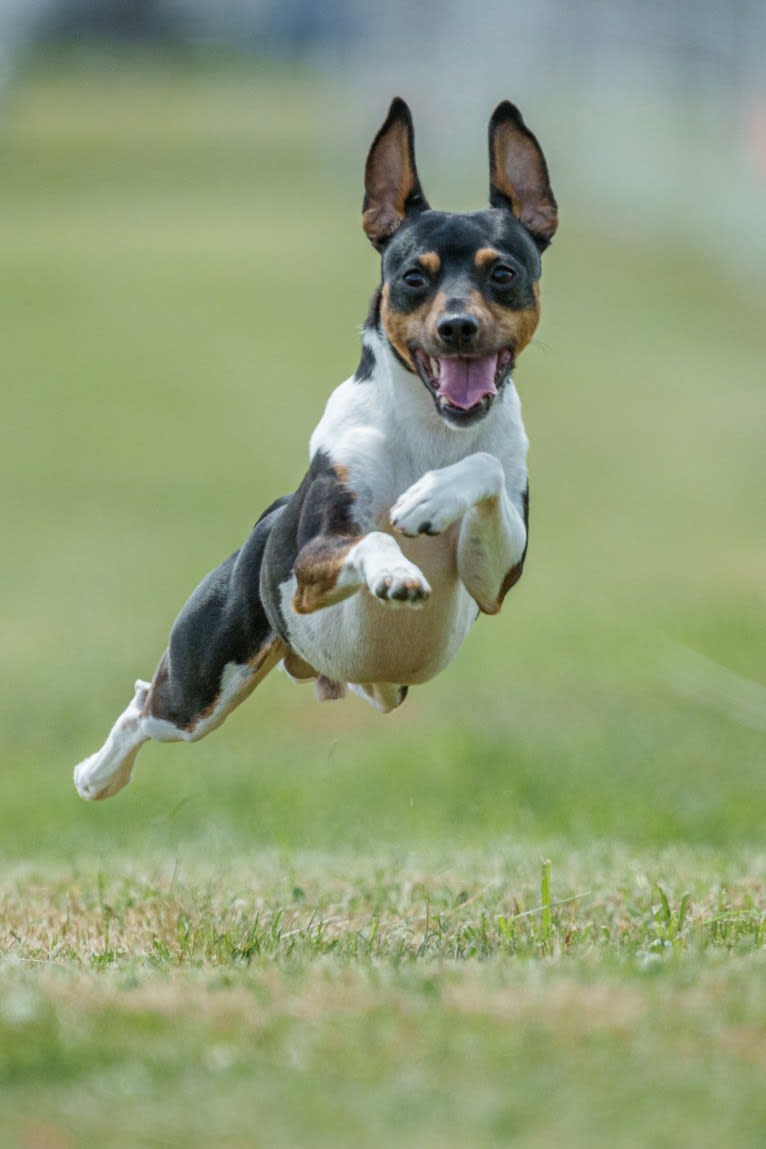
(413, 516)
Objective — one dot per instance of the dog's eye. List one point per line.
(415, 278)
(502, 274)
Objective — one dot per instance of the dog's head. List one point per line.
(460, 294)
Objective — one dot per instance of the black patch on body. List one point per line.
(367, 365)
(372, 321)
(322, 507)
(223, 621)
(525, 510)
(516, 571)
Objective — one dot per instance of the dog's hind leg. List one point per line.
(177, 710)
(152, 714)
(108, 770)
(221, 646)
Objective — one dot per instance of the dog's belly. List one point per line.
(363, 640)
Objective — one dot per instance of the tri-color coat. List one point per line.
(413, 515)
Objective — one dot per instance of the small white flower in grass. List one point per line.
(219, 1058)
(20, 1007)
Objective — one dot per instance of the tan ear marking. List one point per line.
(392, 187)
(519, 175)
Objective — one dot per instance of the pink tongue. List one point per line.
(465, 382)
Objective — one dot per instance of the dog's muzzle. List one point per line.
(463, 388)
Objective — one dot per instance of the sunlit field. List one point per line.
(320, 926)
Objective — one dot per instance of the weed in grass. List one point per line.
(123, 921)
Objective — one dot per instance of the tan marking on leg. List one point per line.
(298, 668)
(384, 696)
(317, 569)
(161, 675)
(260, 664)
(341, 473)
(510, 580)
(268, 655)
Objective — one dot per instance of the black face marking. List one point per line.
(456, 239)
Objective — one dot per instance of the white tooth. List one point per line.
(435, 368)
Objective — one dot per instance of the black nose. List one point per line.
(458, 331)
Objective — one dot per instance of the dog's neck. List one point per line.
(408, 405)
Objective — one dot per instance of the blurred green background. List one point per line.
(320, 925)
(181, 284)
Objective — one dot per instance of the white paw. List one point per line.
(429, 506)
(378, 563)
(93, 785)
(400, 585)
(109, 770)
(141, 690)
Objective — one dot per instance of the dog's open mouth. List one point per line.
(463, 388)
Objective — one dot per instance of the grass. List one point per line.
(528, 908)
(340, 999)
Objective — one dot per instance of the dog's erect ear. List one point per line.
(392, 189)
(518, 174)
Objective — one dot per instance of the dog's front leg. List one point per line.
(330, 569)
(492, 539)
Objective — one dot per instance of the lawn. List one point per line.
(320, 926)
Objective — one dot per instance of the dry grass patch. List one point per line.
(481, 907)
